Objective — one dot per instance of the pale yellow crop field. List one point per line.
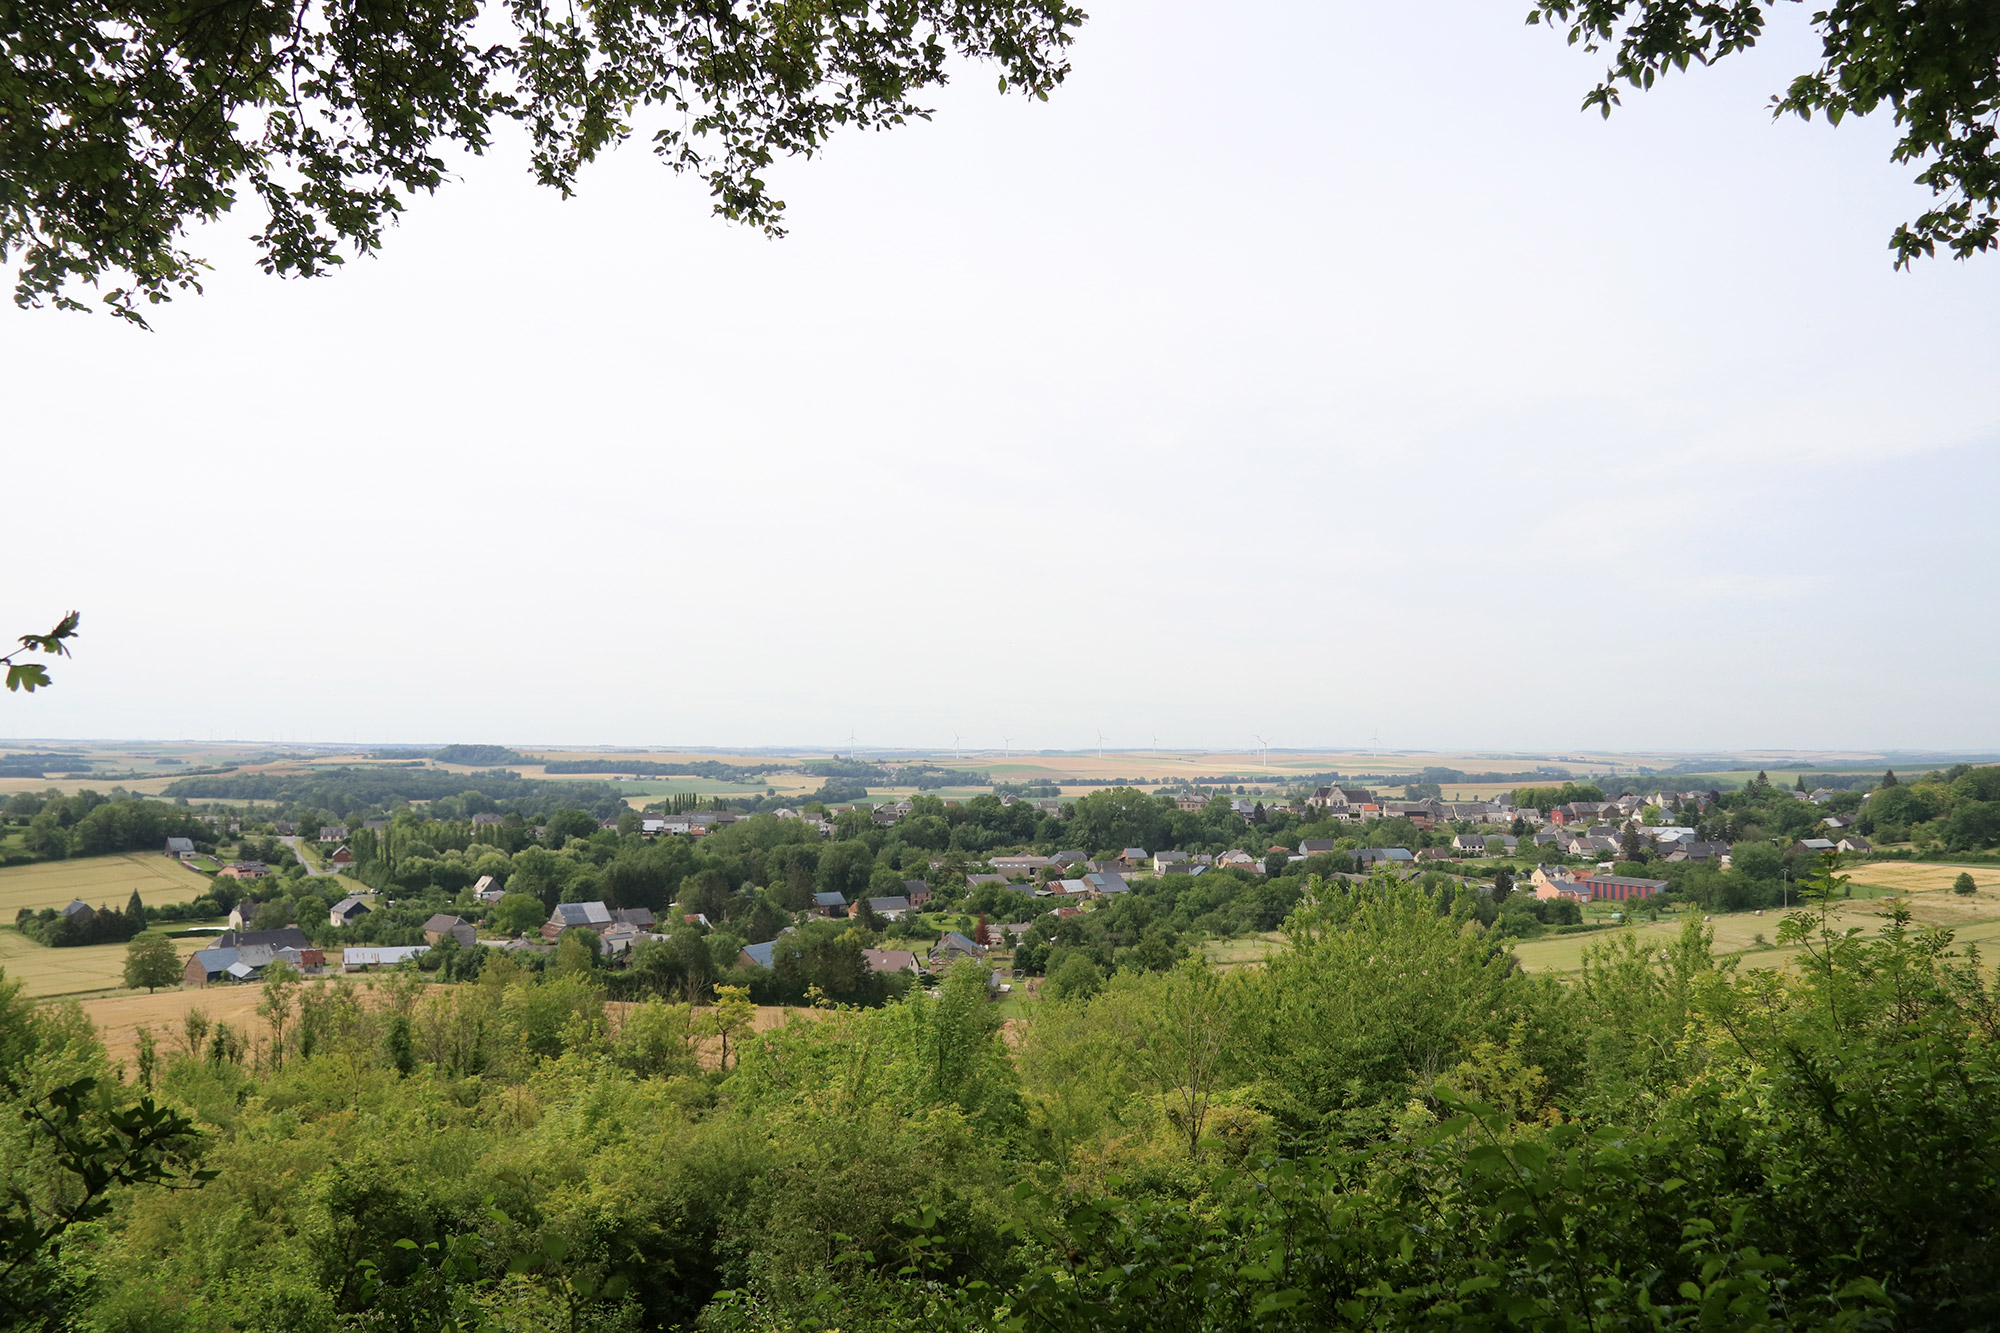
(101, 881)
(1921, 876)
(45, 972)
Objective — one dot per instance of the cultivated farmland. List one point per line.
(1973, 920)
(101, 881)
(1920, 876)
(45, 973)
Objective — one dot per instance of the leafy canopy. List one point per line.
(129, 121)
(1934, 63)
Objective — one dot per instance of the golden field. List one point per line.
(101, 881)
(46, 973)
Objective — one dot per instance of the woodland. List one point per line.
(1389, 1125)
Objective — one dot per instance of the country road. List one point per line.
(311, 869)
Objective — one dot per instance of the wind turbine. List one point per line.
(1267, 749)
(1156, 746)
(1101, 738)
(954, 747)
(852, 749)
(1008, 743)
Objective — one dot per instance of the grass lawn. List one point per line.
(1243, 951)
(1013, 1005)
(101, 881)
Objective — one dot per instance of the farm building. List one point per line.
(953, 947)
(1620, 888)
(346, 911)
(210, 966)
(361, 959)
(891, 961)
(576, 916)
(889, 909)
(444, 924)
(181, 849)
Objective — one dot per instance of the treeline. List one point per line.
(1955, 809)
(59, 930)
(922, 776)
(362, 787)
(713, 770)
(93, 824)
(1388, 1126)
(1546, 799)
(40, 765)
(478, 756)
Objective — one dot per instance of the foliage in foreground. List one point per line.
(130, 123)
(1390, 1126)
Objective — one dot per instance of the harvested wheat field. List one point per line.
(101, 881)
(118, 1018)
(1920, 876)
(45, 973)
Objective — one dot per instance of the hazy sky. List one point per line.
(1309, 368)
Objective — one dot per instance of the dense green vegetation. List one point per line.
(364, 786)
(1389, 1126)
(682, 768)
(92, 824)
(478, 756)
(60, 929)
(1956, 809)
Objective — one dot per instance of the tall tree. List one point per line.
(1192, 1039)
(151, 961)
(128, 123)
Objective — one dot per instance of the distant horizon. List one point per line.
(1834, 755)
